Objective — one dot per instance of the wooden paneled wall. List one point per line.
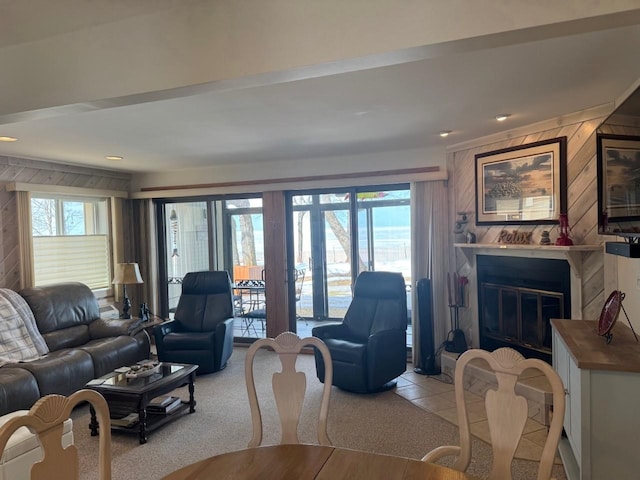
(581, 200)
(39, 172)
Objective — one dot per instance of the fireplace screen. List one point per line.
(520, 316)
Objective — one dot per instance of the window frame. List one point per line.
(99, 227)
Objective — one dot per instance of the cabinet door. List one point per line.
(561, 365)
(574, 408)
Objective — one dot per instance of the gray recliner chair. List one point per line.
(369, 348)
(201, 332)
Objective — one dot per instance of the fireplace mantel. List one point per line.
(572, 254)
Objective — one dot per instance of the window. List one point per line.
(71, 240)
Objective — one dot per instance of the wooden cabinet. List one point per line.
(602, 418)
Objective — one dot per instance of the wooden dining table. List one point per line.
(302, 462)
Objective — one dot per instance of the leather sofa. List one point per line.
(82, 346)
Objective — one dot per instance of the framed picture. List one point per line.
(522, 185)
(618, 178)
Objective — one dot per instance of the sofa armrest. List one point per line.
(102, 327)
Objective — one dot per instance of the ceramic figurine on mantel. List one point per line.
(459, 231)
(544, 238)
(563, 239)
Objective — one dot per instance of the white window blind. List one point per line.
(72, 258)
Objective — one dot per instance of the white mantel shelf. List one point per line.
(572, 254)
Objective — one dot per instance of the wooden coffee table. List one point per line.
(125, 395)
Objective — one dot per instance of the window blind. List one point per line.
(72, 258)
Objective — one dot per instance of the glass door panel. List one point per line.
(245, 249)
(303, 277)
(337, 267)
(187, 244)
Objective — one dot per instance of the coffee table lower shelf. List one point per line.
(129, 396)
(154, 420)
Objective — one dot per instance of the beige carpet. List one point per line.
(384, 422)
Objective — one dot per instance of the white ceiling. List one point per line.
(395, 107)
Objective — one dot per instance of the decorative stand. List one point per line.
(456, 341)
(609, 315)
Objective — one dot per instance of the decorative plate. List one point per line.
(610, 312)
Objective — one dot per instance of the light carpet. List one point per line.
(382, 422)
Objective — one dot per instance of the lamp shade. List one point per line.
(127, 274)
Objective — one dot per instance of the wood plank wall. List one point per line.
(581, 199)
(38, 172)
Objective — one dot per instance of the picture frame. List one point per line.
(618, 178)
(523, 185)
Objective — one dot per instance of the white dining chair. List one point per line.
(46, 420)
(289, 387)
(506, 413)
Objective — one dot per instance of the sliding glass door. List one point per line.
(324, 243)
(212, 233)
(186, 245)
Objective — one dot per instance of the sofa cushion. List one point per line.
(62, 371)
(18, 389)
(63, 312)
(113, 352)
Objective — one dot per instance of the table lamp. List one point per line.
(126, 274)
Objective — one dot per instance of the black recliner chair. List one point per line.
(201, 332)
(369, 348)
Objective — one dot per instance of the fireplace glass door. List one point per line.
(520, 316)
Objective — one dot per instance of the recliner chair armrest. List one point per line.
(387, 336)
(165, 328)
(386, 341)
(386, 355)
(224, 325)
(330, 330)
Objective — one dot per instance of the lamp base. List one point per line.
(126, 306)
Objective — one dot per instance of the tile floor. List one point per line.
(436, 395)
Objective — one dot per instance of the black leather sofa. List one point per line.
(82, 346)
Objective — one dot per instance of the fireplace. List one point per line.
(517, 298)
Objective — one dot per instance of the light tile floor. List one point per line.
(436, 395)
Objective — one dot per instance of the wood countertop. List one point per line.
(591, 351)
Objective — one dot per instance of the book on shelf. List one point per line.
(161, 401)
(168, 407)
(128, 421)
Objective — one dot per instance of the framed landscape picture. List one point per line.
(619, 177)
(522, 185)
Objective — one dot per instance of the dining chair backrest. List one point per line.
(46, 419)
(289, 387)
(506, 413)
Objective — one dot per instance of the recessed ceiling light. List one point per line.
(502, 117)
(8, 139)
(113, 157)
(445, 133)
